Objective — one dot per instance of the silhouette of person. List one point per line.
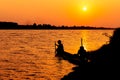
(104, 62)
(82, 54)
(60, 48)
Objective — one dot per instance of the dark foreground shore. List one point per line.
(104, 62)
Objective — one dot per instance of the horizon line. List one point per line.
(37, 24)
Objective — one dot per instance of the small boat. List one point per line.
(72, 58)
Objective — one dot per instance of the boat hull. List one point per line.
(72, 58)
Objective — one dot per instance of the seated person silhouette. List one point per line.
(104, 62)
(60, 48)
(82, 53)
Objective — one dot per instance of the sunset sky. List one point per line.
(99, 13)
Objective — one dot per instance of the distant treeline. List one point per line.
(14, 25)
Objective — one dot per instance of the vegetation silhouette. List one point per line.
(8, 25)
(104, 62)
(14, 25)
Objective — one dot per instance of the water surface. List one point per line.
(29, 54)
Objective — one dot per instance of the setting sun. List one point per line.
(84, 8)
(62, 12)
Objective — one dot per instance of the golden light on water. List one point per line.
(85, 47)
(28, 55)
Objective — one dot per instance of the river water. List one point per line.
(30, 54)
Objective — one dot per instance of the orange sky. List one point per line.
(101, 13)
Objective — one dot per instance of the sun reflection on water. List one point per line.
(30, 54)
